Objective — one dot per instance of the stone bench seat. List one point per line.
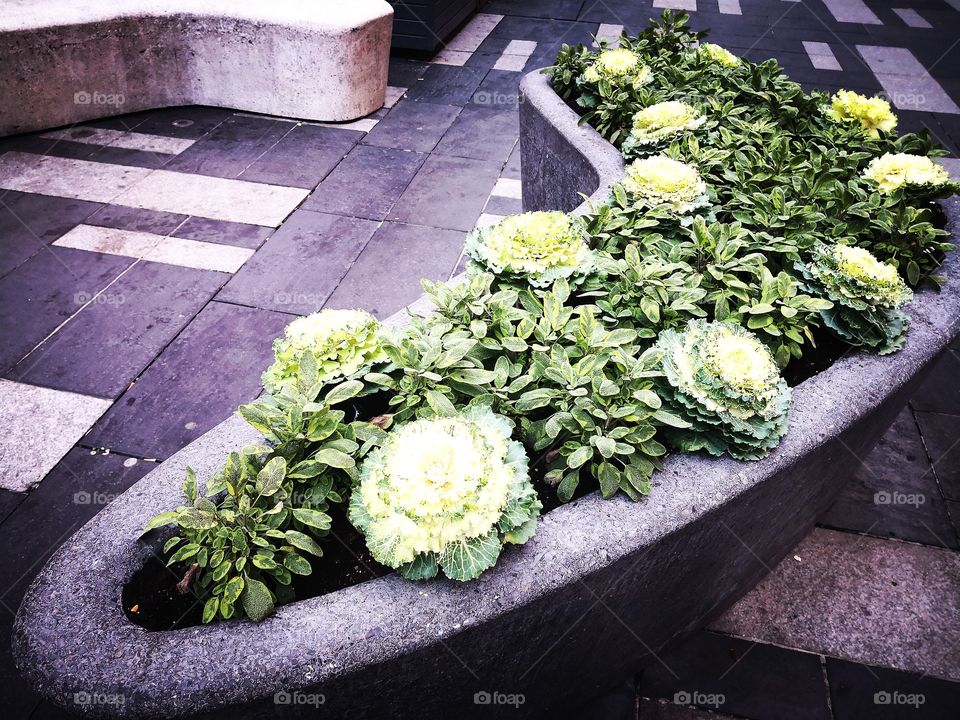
(64, 61)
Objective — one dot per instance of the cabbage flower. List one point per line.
(445, 493)
(664, 120)
(341, 344)
(540, 246)
(873, 114)
(718, 55)
(724, 381)
(894, 170)
(659, 180)
(619, 67)
(867, 295)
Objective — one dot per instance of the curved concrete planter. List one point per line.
(602, 586)
(66, 62)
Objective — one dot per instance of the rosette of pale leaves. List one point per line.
(618, 67)
(338, 343)
(660, 181)
(662, 121)
(721, 379)
(895, 170)
(867, 296)
(719, 55)
(536, 247)
(873, 114)
(445, 493)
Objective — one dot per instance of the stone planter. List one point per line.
(601, 588)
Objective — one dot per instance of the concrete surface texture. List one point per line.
(66, 62)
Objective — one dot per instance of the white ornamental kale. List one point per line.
(662, 181)
(659, 123)
(867, 295)
(445, 493)
(333, 344)
(537, 247)
(721, 379)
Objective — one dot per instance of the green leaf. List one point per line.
(165, 518)
(440, 404)
(297, 565)
(233, 589)
(422, 567)
(466, 559)
(210, 608)
(270, 478)
(256, 600)
(334, 458)
(579, 456)
(312, 518)
(344, 391)
(304, 542)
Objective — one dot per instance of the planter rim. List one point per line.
(72, 636)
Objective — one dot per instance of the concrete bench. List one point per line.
(63, 62)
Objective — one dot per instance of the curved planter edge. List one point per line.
(611, 581)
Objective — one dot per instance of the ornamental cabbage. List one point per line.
(659, 180)
(894, 170)
(664, 120)
(867, 296)
(445, 493)
(719, 55)
(540, 246)
(340, 343)
(721, 379)
(873, 114)
(620, 67)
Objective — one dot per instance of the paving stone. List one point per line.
(498, 205)
(66, 177)
(859, 598)
(940, 392)
(481, 133)
(878, 693)
(41, 426)
(617, 704)
(895, 493)
(386, 276)
(447, 192)
(739, 677)
(661, 709)
(138, 219)
(29, 221)
(568, 9)
(367, 183)
(303, 157)
(404, 72)
(500, 90)
(446, 85)
(122, 139)
(44, 292)
(296, 270)
(183, 393)
(413, 126)
(232, 146)
(190, 121)
(512, 168)
(941, 435)
(9, 500)
(111, 340)
(224, 232)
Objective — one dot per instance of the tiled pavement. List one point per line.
(147, 260)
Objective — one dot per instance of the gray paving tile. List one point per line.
(878, 693)
(481, 133)
(880, 602)
(191, 122)
(296, 270)
(224, 232)
(404, 72)
(447, 192)
(498, 205)
(137, 219)
(41, 426)
(29, 221)
(110, 341)
(446, 85)
(9, 501)
(940, 392)
(367, 183)
(512, 169)
(44, 292)
(500, 90)
(232, 146)
(386, 276)
(183, 394)
(303, 157)
(568, 9)
(941, 435)
(730, 675)
(413, 126)
(895, 493)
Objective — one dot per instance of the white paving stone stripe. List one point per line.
(466, 42)
(122, 139)
(40, 427)
(729, 7)
(689, 5)
(508, 188)
(515, 55)
(821, 55)
(912, 18)
(208, 197)
(610, 33)
(158, 248)
(852, 11)
(906, 81)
